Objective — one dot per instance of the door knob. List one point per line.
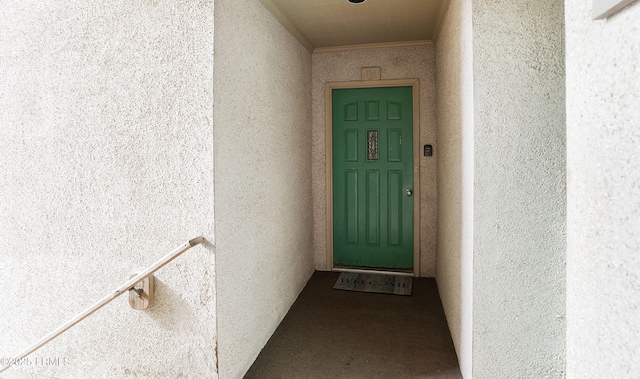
(409, 192)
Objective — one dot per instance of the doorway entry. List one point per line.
(373, 194)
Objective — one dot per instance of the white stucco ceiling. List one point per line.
(331, 23)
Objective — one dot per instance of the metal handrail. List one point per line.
(105, 300)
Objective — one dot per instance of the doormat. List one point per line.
(377, 283)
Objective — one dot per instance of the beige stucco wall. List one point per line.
(397, 63)
(263, 215)
(519, 194)
(454, 265)
(603, 161)
(106, 162)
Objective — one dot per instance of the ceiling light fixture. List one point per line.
(356, 1)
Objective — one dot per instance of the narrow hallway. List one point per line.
(341, 334)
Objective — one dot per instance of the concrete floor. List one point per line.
(341, 334)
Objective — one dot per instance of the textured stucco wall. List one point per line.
(263, 179)
(106, 162)
(603, 223)
(519, 194)
(454, 264)
(400, 63)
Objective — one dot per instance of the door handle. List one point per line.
(409, 192)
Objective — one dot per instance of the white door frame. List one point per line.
(329, 87)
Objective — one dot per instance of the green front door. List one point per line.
(373, 177)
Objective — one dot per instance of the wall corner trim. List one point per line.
(372, 46)
(606, 8)
(284, 20)
(444, 8)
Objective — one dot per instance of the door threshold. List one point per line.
(372, 271)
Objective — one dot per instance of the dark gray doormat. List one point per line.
(390, 284)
